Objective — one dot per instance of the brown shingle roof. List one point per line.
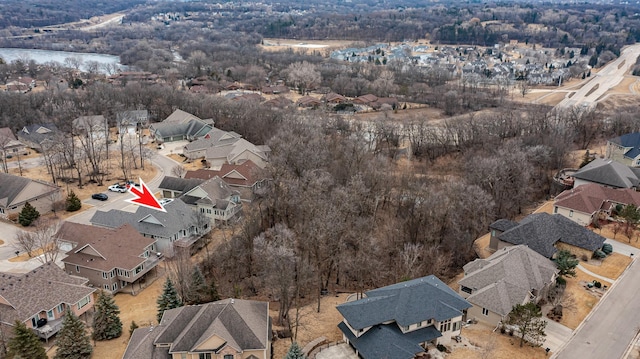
(247, 169)
(117, 248)
(43, 288)
(590, 198)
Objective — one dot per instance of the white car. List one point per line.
(118, 188)
(164, 201)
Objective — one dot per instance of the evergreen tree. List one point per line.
(25, 343)
(106, 322)
(566, 264)
(28, 214)
(528, 319)
(197, 288)
(132, 328)
(168, 299)
(72, 202)
(295, 352)
(73, 341)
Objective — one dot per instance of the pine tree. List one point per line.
(168, 299)
(295, 352)
(132, 328)
(73, 341)
(72, 202)
(28, 214)
(25, 343)
(106, 322)
(197, 287)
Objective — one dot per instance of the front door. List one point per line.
(50, 315)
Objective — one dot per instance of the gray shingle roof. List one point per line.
(36, 134)
(540, 231)
(11, 187)
(178, 216)
(179, 184)
(141, 345)
(503, 224)
(506, 277)
(406, 303)
(388, 342)
(609, 173)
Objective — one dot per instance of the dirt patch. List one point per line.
(583, 300)
(624, 87)
(484, 343)
(611, 267)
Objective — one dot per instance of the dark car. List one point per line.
(100, 196)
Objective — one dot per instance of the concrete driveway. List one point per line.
(557, 335)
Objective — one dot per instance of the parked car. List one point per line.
(164, 201)
(100, 196)
(118, 188)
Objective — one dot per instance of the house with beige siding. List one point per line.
(41, 297)
(401, 320)
(226, 329)
(511, 276)
(546, 234)
(585, 204)
(625, 149)
(608, 173)
(112, 259)
(15, 191)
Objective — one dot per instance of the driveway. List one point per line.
(557, 335)
(340, 351)
(612, 324)
(8, 234)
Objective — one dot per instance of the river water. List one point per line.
(42, 56)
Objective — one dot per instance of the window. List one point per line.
(114, 286)
(139, 268)
(50, 315)
(571, 213)
(84, 301)
(228, 356)
(555, 209)
(201, 210)
(60, 308)
(457, 326)
(445, 326)
(485, 311)
(105, 275)
(466, 289)
(405, 328)
(208, 356)
(419, 324)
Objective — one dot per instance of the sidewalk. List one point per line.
(595, 275)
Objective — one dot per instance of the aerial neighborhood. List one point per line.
(319, 180)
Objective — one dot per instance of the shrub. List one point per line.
(28, 215)
(585, 258)
(441, 347)
(599, 254)
(597, 284)
(73, 202)
(607, 248)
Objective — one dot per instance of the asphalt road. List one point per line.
(607, 78)
(611, 325)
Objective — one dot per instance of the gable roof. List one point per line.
(179, 116)
(506, 277)
(243, 324)
(590, 198)
(94, 122)
(178, 216)
(630, 141)
(6, 134)
(213, 138)
(37, 133)
(245, 174)
(13, 189)
(406, 303)
(117, 248)
(215, 189)
(608, 173)
(24, 293)
(141, 346)
(179, 184)
(540, 231)
(229, 151)
(388, 341)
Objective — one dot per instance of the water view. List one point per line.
(42, 56)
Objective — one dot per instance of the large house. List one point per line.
(607, 173)
(511, 276)
(625, 149)
(15, 191)
(546, 234)
(179, 226)
(130, 121)
(95, 127)
(226, 329)
(246, 177)
(41, 297)
(39, 137)
(213, 197)
(399, 321)
(180, 126)
(9, 145)
(112, 259)
(220, 147)
(587, 203)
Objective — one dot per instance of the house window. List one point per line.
(208, 356)
(228, 356)
(419, 324)
(466, 289)
(139, 268)
(114, 286)
(571, 213)
(105, 275)
(50, 315)
(445, 326)
(60, 308)
(485, 311)
(405, 328)
(201, 210)
(84, 301)
(555, 209)
(457, 326)
(106, 287)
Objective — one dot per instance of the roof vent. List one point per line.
(232, 301)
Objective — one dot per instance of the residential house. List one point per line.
(179, 226)
(625, 149)
(221, 147)
(112, 259)
(41, 297)
(9, 144)
(246, 177)
(333, 98)
(279, 102)
(607, 173)
(39, 137)
(546, 234)
(587, 203)
(226, 329)
(180, 126)
(94, 127)
(399, 321)
(308, 101)
(15, 191)
(130, 121)
(511, 276)
(365, 99)
(213, 197)
(216, 137)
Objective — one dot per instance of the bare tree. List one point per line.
(41, 239)
(178, 171)
(304, 76)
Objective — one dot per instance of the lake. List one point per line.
(42, 56)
